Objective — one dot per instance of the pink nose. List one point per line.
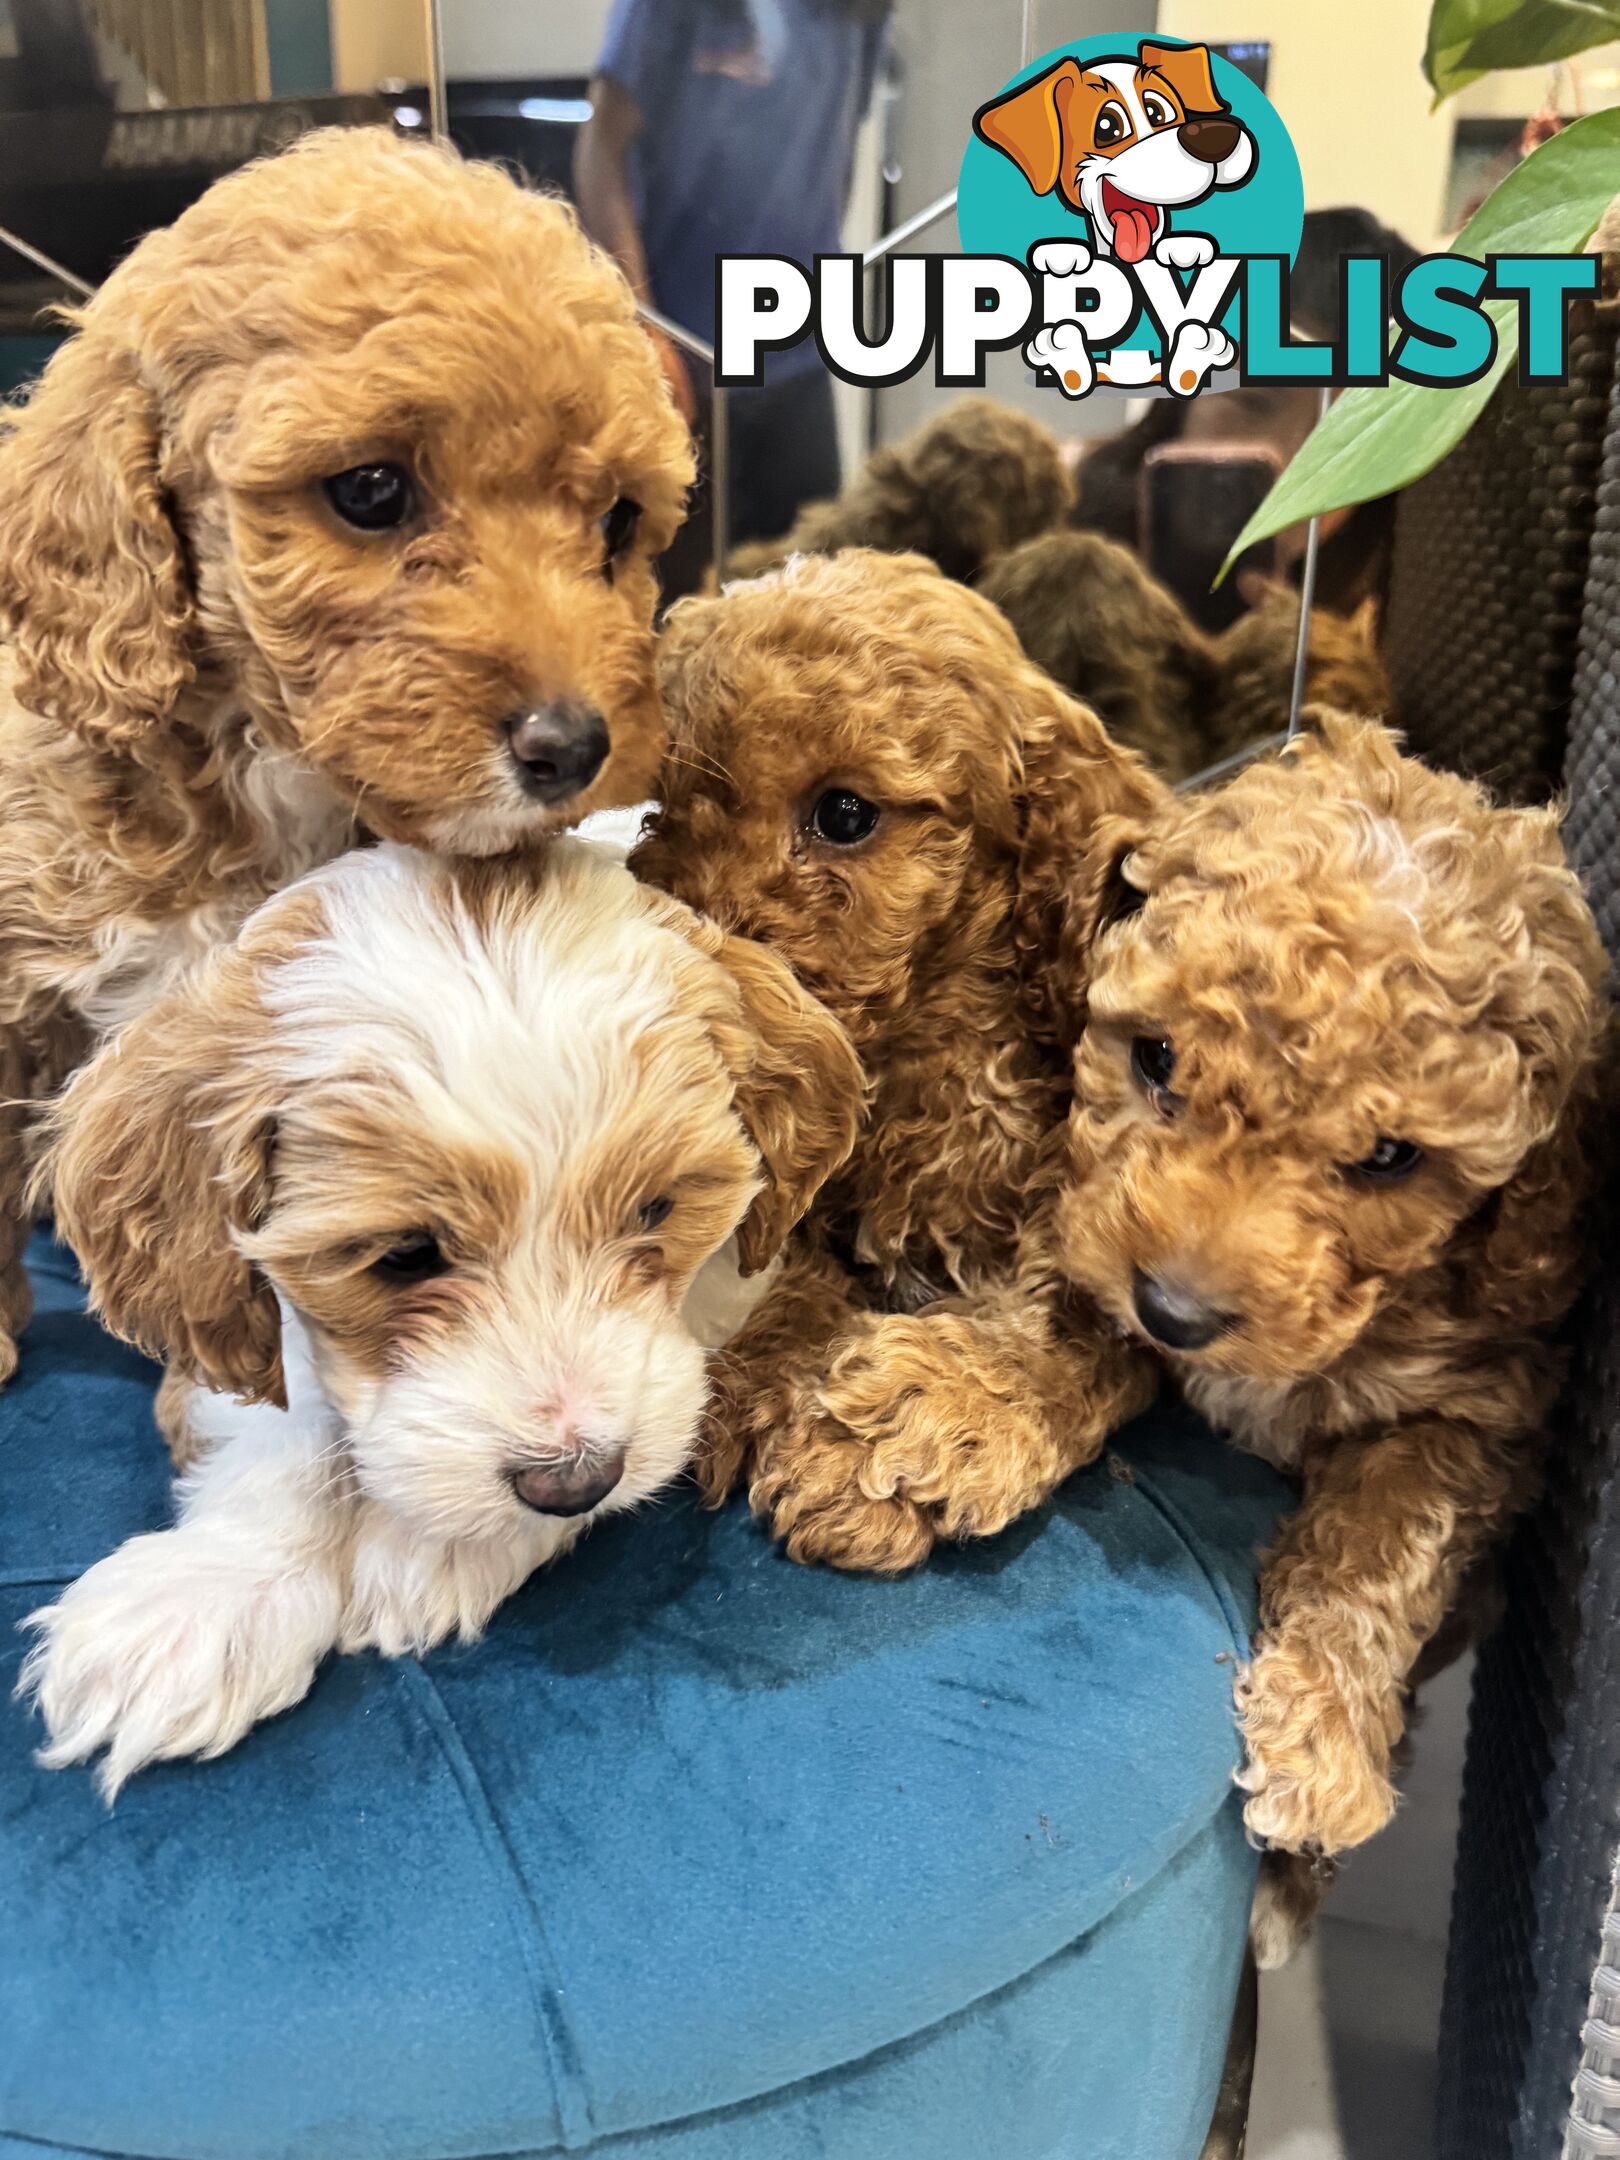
(571, 1487)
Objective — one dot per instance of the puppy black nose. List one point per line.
(1210, 141)
(558, 749)
(1176, 1316)
(568, 1488)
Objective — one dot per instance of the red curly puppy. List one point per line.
(867, 773)
(336, 513)
(1328, 1153)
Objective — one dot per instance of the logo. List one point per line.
(1129, 216)
(1132, 182)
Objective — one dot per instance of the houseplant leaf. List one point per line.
(1468, 38)
(1372, 441)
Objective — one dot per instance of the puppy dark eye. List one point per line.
(618, 530)
(1157, 111)
(655, 1211)
(1153, 1063)
(1111, 127)
(372, 498)
(1389, 1162)
(417, 1258)
(843, 818)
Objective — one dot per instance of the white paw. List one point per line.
(1198, 350)
(1060, 258)
(406, 1594)
(1185, 251)
(1062, 347)
(176, 1644)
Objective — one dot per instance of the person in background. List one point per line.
(1354, 542)
(727, 127)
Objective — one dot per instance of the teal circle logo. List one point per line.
(1121, 149)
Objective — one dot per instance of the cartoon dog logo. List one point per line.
(1123, 141)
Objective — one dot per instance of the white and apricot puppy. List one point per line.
(433, 1190)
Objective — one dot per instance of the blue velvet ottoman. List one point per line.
(699, 1856)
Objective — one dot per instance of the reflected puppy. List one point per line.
(336, 512)
(971, 481)
(1328, 1154)
(434, 1171)
(866, 773)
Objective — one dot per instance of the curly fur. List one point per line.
(1342, 945)
(1088, 612)
(1254, 670)
(209, 682)
(930, 941)
(972, 481)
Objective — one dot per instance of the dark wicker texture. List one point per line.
(1489, 567)
(1541, 1799)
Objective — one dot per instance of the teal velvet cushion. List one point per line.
(698, 1856)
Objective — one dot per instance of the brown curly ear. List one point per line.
(1087, 803)
(94, 598)
(799, 1090)
(158, 1159)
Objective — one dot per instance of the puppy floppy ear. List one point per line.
(799, 1089)
(1027, 124)
(94, 597)
(1187, 70)
(1087, 802)
(158, 1158)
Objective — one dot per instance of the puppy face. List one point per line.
(378, 446)
(480, 1134)
(1123, 140)
(850, 742)
(1342, 1004)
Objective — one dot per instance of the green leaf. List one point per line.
(1453, 25)
(1468, 38)
(1372, 441)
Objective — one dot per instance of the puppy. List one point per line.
(1123, 141)
(433, 1170)
(1328, 1154)
(972, 481)
(1254, 669)
(866, 773)
(336, 512)
(1086, 611)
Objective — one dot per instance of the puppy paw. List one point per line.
(1060, 258)
(1062, 347)
(1196, 352)
(1317, 1767)
(807, 1489)
(1184, 251)
(940, 1430)
(171, 1646)
(407, 1594)
(9, 1356)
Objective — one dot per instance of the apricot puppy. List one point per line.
(334, 515)
(867, 774)
(1328, 1153)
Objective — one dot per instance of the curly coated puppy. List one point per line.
(972, 481)
(866, 773)
(1328, 1153)
(335, 514)
(446, 1173)
(1254, 670)
(1086, 611)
